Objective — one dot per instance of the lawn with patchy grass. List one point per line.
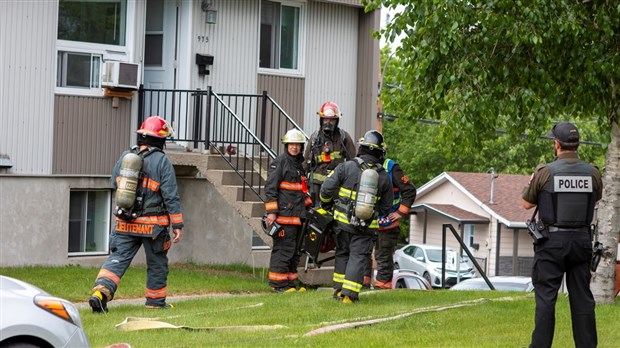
(254, 317)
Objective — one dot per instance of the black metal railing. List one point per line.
(481, 271)
(245, 129)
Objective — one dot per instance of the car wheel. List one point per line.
(396, 265)
(427, 277)
(400, 284)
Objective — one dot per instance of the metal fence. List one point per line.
(245, 129)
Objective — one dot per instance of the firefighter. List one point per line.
(328, 147)
(357, 200)
(157, 208)
(389, 227)
(287, 197)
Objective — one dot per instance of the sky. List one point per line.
(385, 16)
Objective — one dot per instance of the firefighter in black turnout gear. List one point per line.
(328, 147)
(287, 197)
(357, 204)
(564, 192)
(389, 225)
(157, 207)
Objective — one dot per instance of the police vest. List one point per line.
(568, 198)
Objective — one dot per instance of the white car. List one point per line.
(30, 317)
(505, 283)
(425, 260)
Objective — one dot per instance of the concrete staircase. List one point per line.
(230, 185)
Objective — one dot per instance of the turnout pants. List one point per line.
(124, 247)
(353, 250)
(570, 253)
(284, 258)
(384, 251)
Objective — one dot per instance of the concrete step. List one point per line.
(252, 209)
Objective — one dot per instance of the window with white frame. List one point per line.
(89, 31)
(281, 29)
(468, 237)
(89, 222)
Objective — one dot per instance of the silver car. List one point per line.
(505, 283)
(30, 317)
(425, 260)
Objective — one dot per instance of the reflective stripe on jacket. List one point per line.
(286, 190)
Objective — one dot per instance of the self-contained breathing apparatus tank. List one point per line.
(128, 177)
(366, 195)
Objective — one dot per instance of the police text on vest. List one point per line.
(572, 184)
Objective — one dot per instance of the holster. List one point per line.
(537, 229)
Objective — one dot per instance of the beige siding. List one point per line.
(288, 92)
(89, 134)
(27, 77)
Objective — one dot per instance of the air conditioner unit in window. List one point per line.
(120, 75)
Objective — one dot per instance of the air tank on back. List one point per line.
(366, 194)
(127, 181)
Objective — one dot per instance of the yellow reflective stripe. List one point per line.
(318, 177)
(340, 216)
(374, 224)
(346, 193)
(351, 285)
(338, 277)
(325, 199)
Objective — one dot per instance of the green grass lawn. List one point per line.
(395, 318)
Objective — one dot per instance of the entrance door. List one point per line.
(160, 44)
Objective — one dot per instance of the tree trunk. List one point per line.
(608, 223)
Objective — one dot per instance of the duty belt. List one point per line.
(553, 229)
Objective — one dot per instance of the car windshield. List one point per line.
(434, 255)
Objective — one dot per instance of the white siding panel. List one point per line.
(331, 63)
(27, 76)
(233, 41)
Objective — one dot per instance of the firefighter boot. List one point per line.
(164, 306)
(98, 302)
(349, 300)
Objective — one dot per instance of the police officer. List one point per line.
(355, 238)
(389, 226)
(287, 197)
(564, 192)
(159, 209)
(328, 147)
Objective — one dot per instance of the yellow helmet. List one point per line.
(294, 136)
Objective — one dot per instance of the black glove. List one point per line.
(329, 206)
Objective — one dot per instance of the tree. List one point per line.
(479, 66)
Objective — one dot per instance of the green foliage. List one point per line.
(476, 67)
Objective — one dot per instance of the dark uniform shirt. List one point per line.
(286, 189)
(161, 197)
(343, 184)
(326, 151)
(541, 176)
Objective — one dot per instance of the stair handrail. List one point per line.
(287, 116)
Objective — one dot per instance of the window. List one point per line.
(280, 36)
(154, 38)
(95, 21)
(89, 222)
(468, 238)
(79, 70)
(89, 32)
